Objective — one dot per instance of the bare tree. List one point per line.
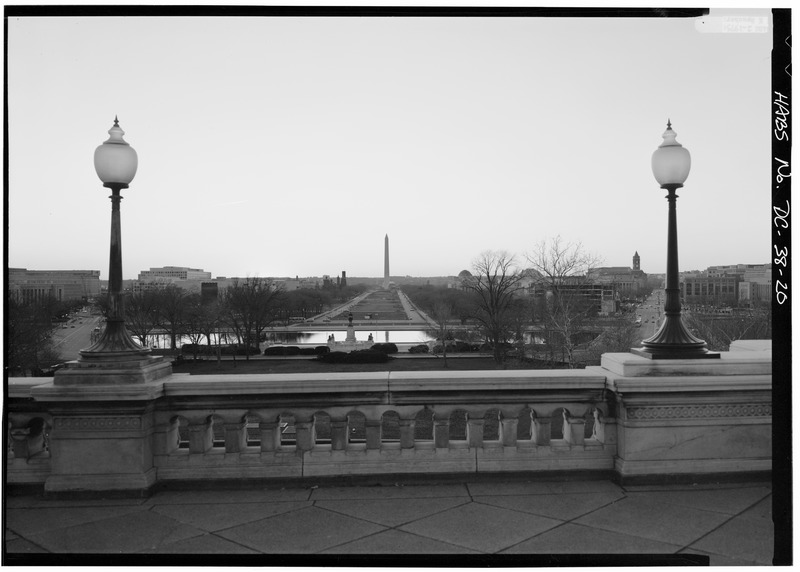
(172, 306)
(494, 283)
(196, 322)
(442, 311)
(719, 331)
(249, 307)
(567, 304)
(28, 337)
(619, 335)
(141, 314)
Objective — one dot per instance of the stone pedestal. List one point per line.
(129, 368)
(691, 417)
(102, 424)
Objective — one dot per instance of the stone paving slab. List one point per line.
(384, 492)
(128, 533)
(722, 560)
(562, 507)
(228, 496)
(740, 539)
(481, 527)
(205, 544)
(654, 520)
(731, 524)
(578, 539)
(728, 501)
(398, 542)
(542, 487)
(215, 516)
(393, 512)
(22, 546)
(762, 509)
(305, 531)
(27, 522)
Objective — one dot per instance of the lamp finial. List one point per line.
(116, 121)
(669, 124)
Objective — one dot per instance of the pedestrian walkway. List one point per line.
(500, 520)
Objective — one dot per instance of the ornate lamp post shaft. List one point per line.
(115, 163)
(672, 305)
(671, 163)
(115, 256)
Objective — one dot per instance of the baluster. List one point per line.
(540, 429)
(407, 433)
(475, 431)
(235, 437)
(441, 433)
(19, 437)
(339, 434)
(270, 435)
(201, 436)
(599, 430)
(173, 435)
(508, 431)
(305, 433)
(373, 428)
(574, 428)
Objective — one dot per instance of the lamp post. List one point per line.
(115, 162)
(671, 163)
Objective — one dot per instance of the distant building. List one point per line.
(174, 273)
(30, 285)
(180, 276)
(626, 282)
(730, 285)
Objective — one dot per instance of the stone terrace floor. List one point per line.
(485, 522)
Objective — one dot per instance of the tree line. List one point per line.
(29, 328)
(242, 311)
(549, 293)
(502, 300)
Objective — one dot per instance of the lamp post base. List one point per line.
(674, 341)
(115, 343)
(113, 360)
(674, 352)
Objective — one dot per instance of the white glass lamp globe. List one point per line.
(671, 161)
(115, 160)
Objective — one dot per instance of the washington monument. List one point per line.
(386, 263)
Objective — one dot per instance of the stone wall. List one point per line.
(631, 417)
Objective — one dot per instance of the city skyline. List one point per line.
(292, 145)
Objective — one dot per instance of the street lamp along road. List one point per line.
(115, 162)
(671, 163)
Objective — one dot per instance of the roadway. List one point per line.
(76, 336)
(651, 313)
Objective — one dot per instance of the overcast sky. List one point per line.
(291, 146)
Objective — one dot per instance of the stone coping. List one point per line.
(688, 383)
(370, 382)
(745, 370)
(20, 387)
(146, 391)
(751, 346)
(729, 363)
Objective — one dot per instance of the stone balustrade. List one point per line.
(254, 426)
(29, 425)
(630, 417)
